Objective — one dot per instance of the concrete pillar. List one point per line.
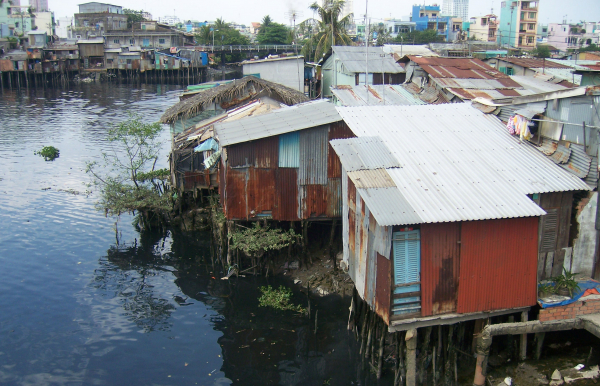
(411, 357)
(523, 345)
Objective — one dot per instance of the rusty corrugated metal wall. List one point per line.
(553, 232)
(498, 263)
(284, 187)
(337, 130)
(440, 265)
(384, 285)
(286, 192)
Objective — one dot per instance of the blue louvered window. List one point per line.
(289, 150)
(407, 272)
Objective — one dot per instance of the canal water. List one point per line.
(78, 309)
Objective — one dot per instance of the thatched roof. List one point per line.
(248, 85)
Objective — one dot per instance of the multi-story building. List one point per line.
(95, 19)
(457, 8)
(63, 27)
(147, 15)
(148, 34)
(14, 19)
(429, 17)
(566, 36)
(542, 34)
(45, 22)
(483, 28)
(397, 26)
(169, 20)
(39, 5)
(518, 24)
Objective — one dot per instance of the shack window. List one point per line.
(549, 230)
(289, 150)
(161, 41)
(116, 41)
(407, 272)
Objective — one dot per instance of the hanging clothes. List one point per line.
(510, 125)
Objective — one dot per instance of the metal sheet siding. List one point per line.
(235, 195)
(313, 200)
(574, 110)
(337, 130)
(260, 191)
(313, 156)
(241, 155)
(498, 264)
(345, 217)
(289, 150)
(286, 194)
(371, 272)
(383, 287)
(333, 197)
(364, 153)
(266, 152)
(440, 265)
(351, 228)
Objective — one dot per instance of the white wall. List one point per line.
(584, 247)
(288, 72)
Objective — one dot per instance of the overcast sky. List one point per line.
(246, 11)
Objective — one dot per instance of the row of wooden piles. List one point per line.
(424, 356)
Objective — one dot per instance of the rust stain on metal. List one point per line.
(235, 196)
(266, 151)
(313, 202)
(240, 155)
(374, 93)
(260, 191)
(383, 287)
(286, 195)
(337, 130)
(440, 265)
(333, 197)
(498, 264)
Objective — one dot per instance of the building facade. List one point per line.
(95, 7)
(148, 34)
(458, 8)
(484, 28)
(429, 17)
(63, 27)
(95, 19)
(518, 24)
(566, 36)
(39, 5)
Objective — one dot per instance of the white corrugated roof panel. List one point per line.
(378, 95)
(365, 153)
(353, 59)
(458, 164)
(284, 120)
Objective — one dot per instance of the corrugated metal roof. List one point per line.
(353, 59)
(458, 164)
(365, 153)
(481, 84)
(378, 95)
(579, 162)
(284, 120)
(592, 178)
(460, 68)
(537, 85)
(367, 179)
(534, 63)
(388, 205)
(404, 49)
(561, 155)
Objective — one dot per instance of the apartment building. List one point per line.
(518, 24)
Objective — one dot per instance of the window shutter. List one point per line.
(549, 231)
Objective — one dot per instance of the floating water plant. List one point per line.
(50, 153)
(278, 299)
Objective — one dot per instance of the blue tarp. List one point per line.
(583, 286)
(209, 144)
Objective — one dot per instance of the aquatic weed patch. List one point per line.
(280, 299)
(50, 153)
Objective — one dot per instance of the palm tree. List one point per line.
(330, 31)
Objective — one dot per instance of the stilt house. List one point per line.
(439, 223)
(279, 165)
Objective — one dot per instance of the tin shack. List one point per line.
(439, 223)
(280, 166)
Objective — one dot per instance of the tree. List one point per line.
(273, 33)
(221, 33)
(330, 30)
(420, 37)
(127, 179)
(540, 52)
(380, 33)
(133, 16)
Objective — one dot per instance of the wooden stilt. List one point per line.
(381, 349)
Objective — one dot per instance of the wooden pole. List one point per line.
(411, 357)
(539, 342)
(381, 347)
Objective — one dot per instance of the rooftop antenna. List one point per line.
(292, 14)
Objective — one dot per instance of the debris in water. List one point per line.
(579, 367)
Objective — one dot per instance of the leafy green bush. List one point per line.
(257, 240)
(278, 299)
(50, 153)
